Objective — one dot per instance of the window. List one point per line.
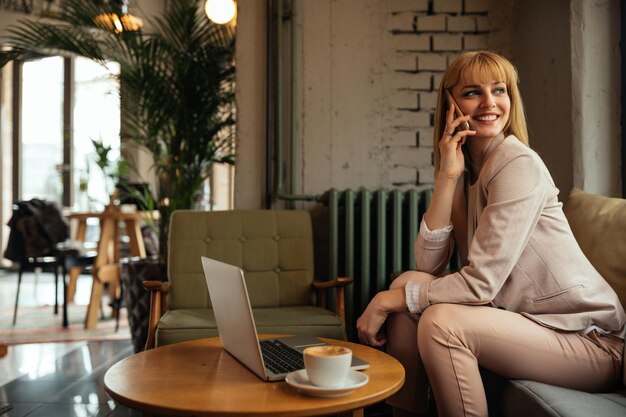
(41, 122)
(65, 104)
(96, 116)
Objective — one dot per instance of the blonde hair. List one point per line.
(481, 65)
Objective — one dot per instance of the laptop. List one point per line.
(270, 359)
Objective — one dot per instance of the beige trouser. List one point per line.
(451, 341)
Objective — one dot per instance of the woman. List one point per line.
(526, 304)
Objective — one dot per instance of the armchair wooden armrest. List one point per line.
(339, 284)
(158, 306)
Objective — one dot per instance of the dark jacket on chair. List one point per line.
(36, 226)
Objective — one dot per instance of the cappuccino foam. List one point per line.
(327, 350)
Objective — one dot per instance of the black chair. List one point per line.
(47, 264)
(73, 255)
(36, 227)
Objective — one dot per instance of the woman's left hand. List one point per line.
(372, 319)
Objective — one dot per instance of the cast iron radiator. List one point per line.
(370, 237)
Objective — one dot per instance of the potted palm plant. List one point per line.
(177, 87)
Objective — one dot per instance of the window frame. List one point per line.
(69, 84)
(68, 97)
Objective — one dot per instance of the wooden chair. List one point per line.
(274, 248)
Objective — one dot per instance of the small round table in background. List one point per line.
(200, 378)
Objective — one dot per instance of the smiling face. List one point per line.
(485, 86)
(487, 102)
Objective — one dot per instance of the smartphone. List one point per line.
(457, 110)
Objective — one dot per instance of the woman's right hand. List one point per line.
(452, 162)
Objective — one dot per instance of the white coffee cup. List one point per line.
(328, 365)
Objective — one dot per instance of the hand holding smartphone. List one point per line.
(458, 112)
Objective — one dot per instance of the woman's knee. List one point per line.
(438, 322)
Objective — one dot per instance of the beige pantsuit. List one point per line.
(450, 342)
(527, 304)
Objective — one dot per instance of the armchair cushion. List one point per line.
(599, 223)
(273, 247)
(185, 324)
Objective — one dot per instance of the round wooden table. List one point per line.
(200, 378)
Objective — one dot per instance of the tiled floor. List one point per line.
(56, 379)
(66, 386)
(65, 379)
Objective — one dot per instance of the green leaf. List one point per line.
(177, 84)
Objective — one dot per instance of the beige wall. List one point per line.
(251, 104)
(356, 125)
(343, 113)
(541, 52)
(596, 96)
(569, 65)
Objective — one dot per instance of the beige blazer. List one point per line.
(523, 256)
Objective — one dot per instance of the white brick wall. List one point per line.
(403, 61)
(403, 138)
(425, 36)
(403, 21)
(412, 80)
(425, 174)
(447, 6)
(431, 62)
(482, 24)
(405, 118)
(477, 6)
(436, 81)
(434, 23)
(428, 100)
(394, 6)
(411, 42)
(473, 42)
(447, 42)
(405, 99)
(402, 175)
(462, 24)
(409, 156)
(425, 137)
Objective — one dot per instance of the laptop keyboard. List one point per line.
(280, 358)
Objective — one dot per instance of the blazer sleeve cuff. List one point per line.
(412, 291)
(437, 235)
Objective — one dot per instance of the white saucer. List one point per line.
(300, 380)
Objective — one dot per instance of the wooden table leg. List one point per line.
(4, 349)
(105, 274)
(100, 271)
(81, 232)
(91, 319)
(133, 230)
(73, 273)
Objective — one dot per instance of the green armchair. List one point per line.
(274, 248)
